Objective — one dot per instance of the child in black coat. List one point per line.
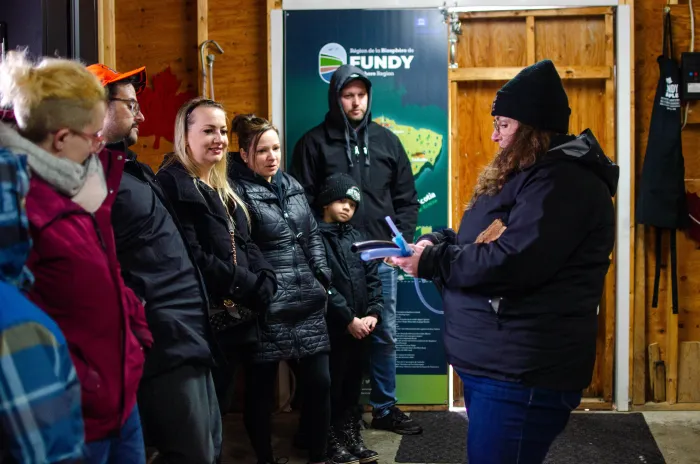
(354, 309)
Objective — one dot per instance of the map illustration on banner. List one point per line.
(404, 54)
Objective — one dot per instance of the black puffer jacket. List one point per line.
(295, 326)
(356, 289)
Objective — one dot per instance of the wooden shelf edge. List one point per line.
(504, 74)
(666, 407)
(587, 404)
(597, 11)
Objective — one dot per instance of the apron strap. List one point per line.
(657, 271)
(668, 35)
(674, 274)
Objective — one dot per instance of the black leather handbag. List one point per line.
(225, 314)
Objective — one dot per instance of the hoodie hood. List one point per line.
(15, 242)
(586, 150)
(336, 117)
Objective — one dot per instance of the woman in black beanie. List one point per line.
(522, 279)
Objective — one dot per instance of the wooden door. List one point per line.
(493, 48)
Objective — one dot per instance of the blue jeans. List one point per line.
(383, 349)
(127, 448)
(510, 423)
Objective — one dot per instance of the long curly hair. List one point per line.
(528, 145)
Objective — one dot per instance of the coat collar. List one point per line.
(193, 191)
(45, 204)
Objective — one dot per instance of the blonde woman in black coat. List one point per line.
(216, 225)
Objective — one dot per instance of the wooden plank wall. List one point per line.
(163, 33)
(655, 327)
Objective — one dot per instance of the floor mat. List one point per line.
(601, 438)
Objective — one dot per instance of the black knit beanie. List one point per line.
(338, 186)
(535, 97)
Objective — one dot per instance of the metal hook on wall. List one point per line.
(210, 65)
(452, 18)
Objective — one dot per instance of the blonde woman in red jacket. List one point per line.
(59, 108)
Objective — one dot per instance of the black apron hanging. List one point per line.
(662, 201)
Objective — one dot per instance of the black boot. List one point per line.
(337, 452)
(354, 442)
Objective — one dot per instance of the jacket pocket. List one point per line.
(89, 378)
(92, 385)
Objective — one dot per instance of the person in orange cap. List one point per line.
(177, 399)
(123, 112)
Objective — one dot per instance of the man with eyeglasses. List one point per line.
(177, 400)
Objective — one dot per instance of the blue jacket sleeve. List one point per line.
(40, 413)
(549, 219)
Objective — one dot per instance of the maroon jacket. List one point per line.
(79, 284)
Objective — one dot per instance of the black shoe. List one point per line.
(354, 442)
(398, 422)
(337, 452)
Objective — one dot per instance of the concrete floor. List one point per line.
(677, 435)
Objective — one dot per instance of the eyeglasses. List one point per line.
(96, 140)
(133, 105)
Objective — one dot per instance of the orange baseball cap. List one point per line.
(107, 75)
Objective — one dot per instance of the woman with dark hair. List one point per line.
(283, 226)
(522, 279)
(216, 225)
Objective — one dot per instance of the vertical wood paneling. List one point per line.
(240, 74)
(158, 35)
(165, 33)
(660, 326)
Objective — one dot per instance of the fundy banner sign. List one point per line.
(404, 53)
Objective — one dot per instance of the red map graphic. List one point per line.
(160, 105)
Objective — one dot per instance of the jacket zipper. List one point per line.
(297, 275)
(496, 306)
(122, 329)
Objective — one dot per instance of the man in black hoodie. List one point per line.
(177, 399)
(349, 142)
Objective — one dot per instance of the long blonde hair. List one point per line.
(52, 94)
(218, 179)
